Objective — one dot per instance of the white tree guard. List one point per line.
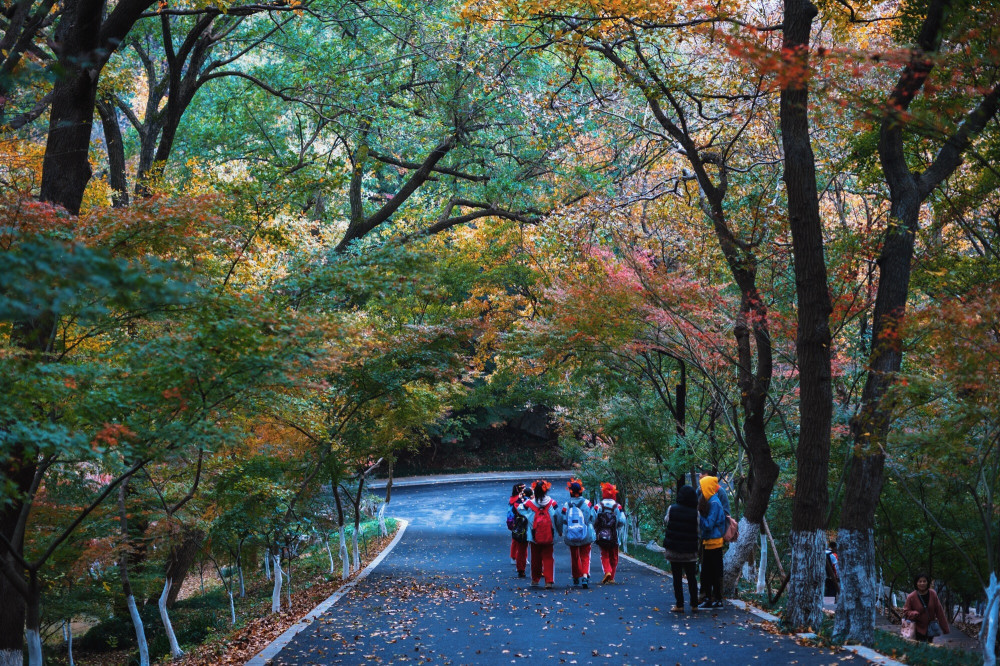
(854, 621)
(68, 635)
(276, 592)
(140, 634)
(345, 558)
(175, 649)
(35, 648)
(762, 568)
(988, 633)
(740, 552)
(357, 552)
(805, 584)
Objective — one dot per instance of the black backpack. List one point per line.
(519, 532)
(606, 526)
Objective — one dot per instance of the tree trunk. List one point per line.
(117, 178)
(805, 589)
(345, 557)
(740, 553)
(762, 569)
(175, 649)
(276, 592)
(68, 635)
(66, 165)
(329, 553)
(988, 633)
(357, 553)
(33, 621)
(133, 610)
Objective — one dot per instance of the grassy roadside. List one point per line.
(886, 643)
(202, 621)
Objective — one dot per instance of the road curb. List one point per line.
(440, 479)
(860, 650)
(278, 644)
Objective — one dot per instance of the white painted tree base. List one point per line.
(805, 585)
(11, 658)
(762, 569)
(276, 592)
(740, 552)
(140, 633)
(175, 649)
(854, 621)
(345, 558)
(34, 647)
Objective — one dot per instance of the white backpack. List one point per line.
(577, 531)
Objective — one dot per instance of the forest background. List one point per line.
(252, 253)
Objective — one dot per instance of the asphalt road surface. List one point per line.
(448, 594)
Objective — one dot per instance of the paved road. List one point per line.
(447, 594)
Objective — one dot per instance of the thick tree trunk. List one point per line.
(813, 338)
(854, 621)
(740, 553)
(66, 165)
(181, 559)
(175, 649)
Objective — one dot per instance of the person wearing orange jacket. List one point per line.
(713, 527)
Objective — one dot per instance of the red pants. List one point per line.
(609, 559)
(579, 559)
(541, 563)
(519, 553)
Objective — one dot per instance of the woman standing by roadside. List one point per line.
(924, 608)
(681, 546)
(713, 526)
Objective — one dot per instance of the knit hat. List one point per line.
(608, 491)
(687, 497)
(709, 486)
(575, 487)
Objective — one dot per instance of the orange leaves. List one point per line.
(110, 435)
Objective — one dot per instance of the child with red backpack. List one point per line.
(609, 522)
(540, 512)
(576, 524)
(518, 526)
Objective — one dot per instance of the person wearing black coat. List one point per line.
(681, 545)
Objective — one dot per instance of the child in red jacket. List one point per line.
(518, 539)
(609, 522)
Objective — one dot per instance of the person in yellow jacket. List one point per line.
(713, 526)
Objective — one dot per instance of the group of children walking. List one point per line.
(695, 525)
(535, 519)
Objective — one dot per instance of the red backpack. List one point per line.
(541, 530)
